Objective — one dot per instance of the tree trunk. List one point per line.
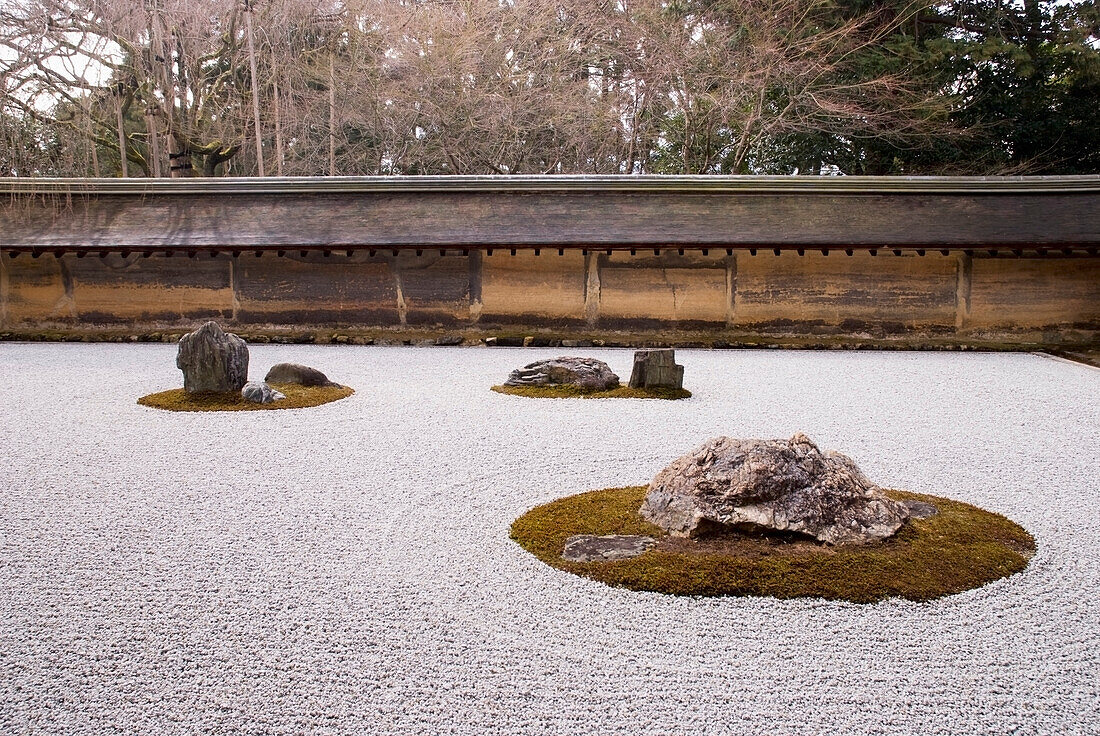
(255, 91)
(152, 143)
(331, 117)
(122, 141)
(278, 131)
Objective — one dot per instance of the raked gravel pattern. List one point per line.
(347, 569)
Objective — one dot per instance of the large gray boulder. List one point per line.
(212, 360)
(782, 485)
(656, 368)
(587, 373)
(299, 374)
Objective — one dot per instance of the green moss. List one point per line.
(297, 397)
(960, 548)
(576, 392)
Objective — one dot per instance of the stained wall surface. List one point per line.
(812, 293)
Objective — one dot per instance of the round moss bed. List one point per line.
(297, 397)
(576, 392)
(960, 548)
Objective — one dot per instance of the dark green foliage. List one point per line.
(1020, 83)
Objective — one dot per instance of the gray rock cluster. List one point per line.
(212, 360)
(656, 368)
(587, 373)
(783, 485)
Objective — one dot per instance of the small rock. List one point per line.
(212, 360)
(449, 340)
(919, 509)
(587, 373)
(656, 368)
(302, 375)
(340, 339)
(592, 548)
(260, 393)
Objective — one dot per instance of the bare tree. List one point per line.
(447, 86)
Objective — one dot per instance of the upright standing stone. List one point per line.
(212, 360)
(656, 368)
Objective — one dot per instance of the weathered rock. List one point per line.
(919, 509)
(259, 392)
(587, 373)
(302, 375)
(785, 485)
(212, 360)
(656, 368)
(592, 548)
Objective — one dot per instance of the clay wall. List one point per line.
(1050, 299)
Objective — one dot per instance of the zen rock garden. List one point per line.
(735, 516)
(655, 376)
(774, 517)
(215, 378)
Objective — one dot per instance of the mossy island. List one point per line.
(879, 544)
(563, 391)
(297, 397)
(655, 376)
(215, 378)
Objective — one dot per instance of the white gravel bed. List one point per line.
(347, 568)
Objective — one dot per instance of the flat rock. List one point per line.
(302, 375)
(656, 368)
(259, 392)
(212, 360)
(587, 373)
(919, 509)
(782, 485)
(593, 548)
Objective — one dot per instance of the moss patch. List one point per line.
(297, 397)
(960, 548)
(576, 392)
